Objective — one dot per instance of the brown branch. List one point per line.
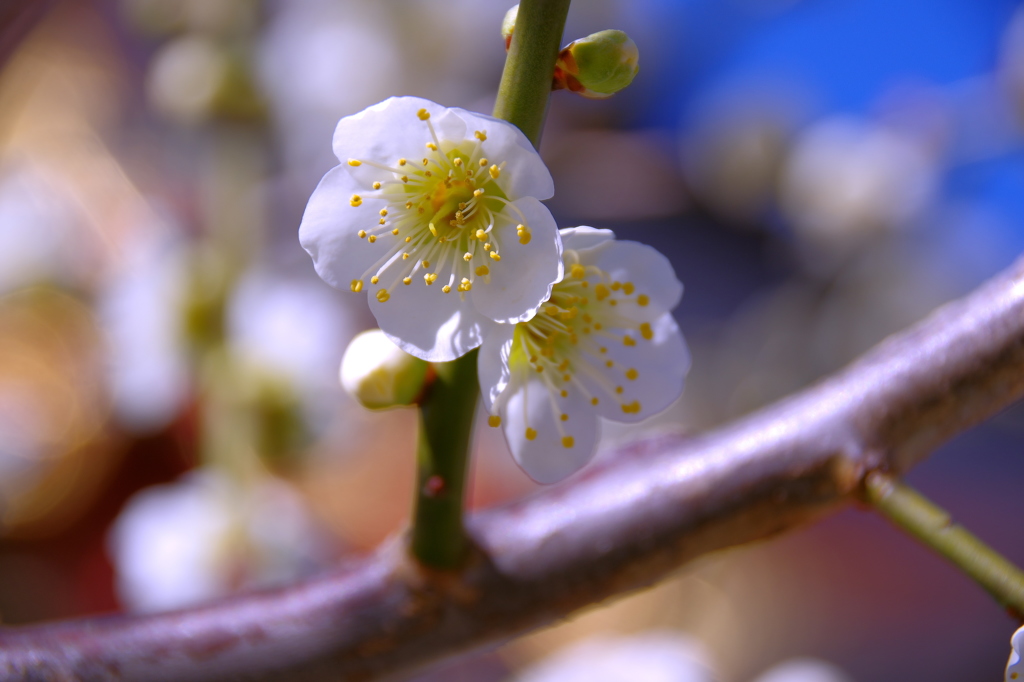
(616, 528)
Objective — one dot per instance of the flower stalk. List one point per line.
(446, 414)
(913, 513)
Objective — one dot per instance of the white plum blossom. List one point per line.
(1015, 666)
(436, 213)
(603, 345)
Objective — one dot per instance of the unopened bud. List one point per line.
(508, 25)
(379, 374)
(599, 65)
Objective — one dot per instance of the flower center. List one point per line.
(567, 343)
(445, 217)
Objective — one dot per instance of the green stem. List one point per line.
(446, 423)
(933, 526)
(446, 414)
(530, 65)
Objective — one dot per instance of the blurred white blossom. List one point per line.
(206, 535)
(41, 240)
(141, 310)
(646, 657)
(846, 180)
(804, 670)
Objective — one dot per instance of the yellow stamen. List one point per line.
(494, 420)
(356, 285)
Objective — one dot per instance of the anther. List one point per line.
(481, 235)
(494, 171)
(601, 291)
(457, 161)
(494, 420)
(376, 185)
(467, 256)
(383, 212)
(356, 285)
(426, 264)
(446, 289)
(383, 295)
(628, 340)
(395, 231)
(423, 114)
(483, 162)
(465, 284)
(356, 200)
(628, 288)
(646, 331)
(495, 256)
(480, 135)
(402, 162)
(355, 162)
(632, 374)
(564, 417)
(594, 400)
(374, 279)
(642, 300)
(372, 238)
(432, 147)
(577, 271)
(616, 286)
(479, 191)
(567, 441)
(530, 434)
(361, 233)
(430, 278)
(407, 280)
(482, 271)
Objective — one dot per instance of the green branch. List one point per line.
(446, 413)
(933, 526)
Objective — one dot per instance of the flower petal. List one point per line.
(524, 173)
(388, 131)
(492, 362)
(429, 324)
(329, 230)
(649, 270)
(522, 280)
(584, 237)
(658, 368)
(545, 457)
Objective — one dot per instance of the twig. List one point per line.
(613, 529)
(438, 538)
(912, 512)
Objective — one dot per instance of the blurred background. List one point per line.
(820, 172)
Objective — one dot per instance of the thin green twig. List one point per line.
(912, 512)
